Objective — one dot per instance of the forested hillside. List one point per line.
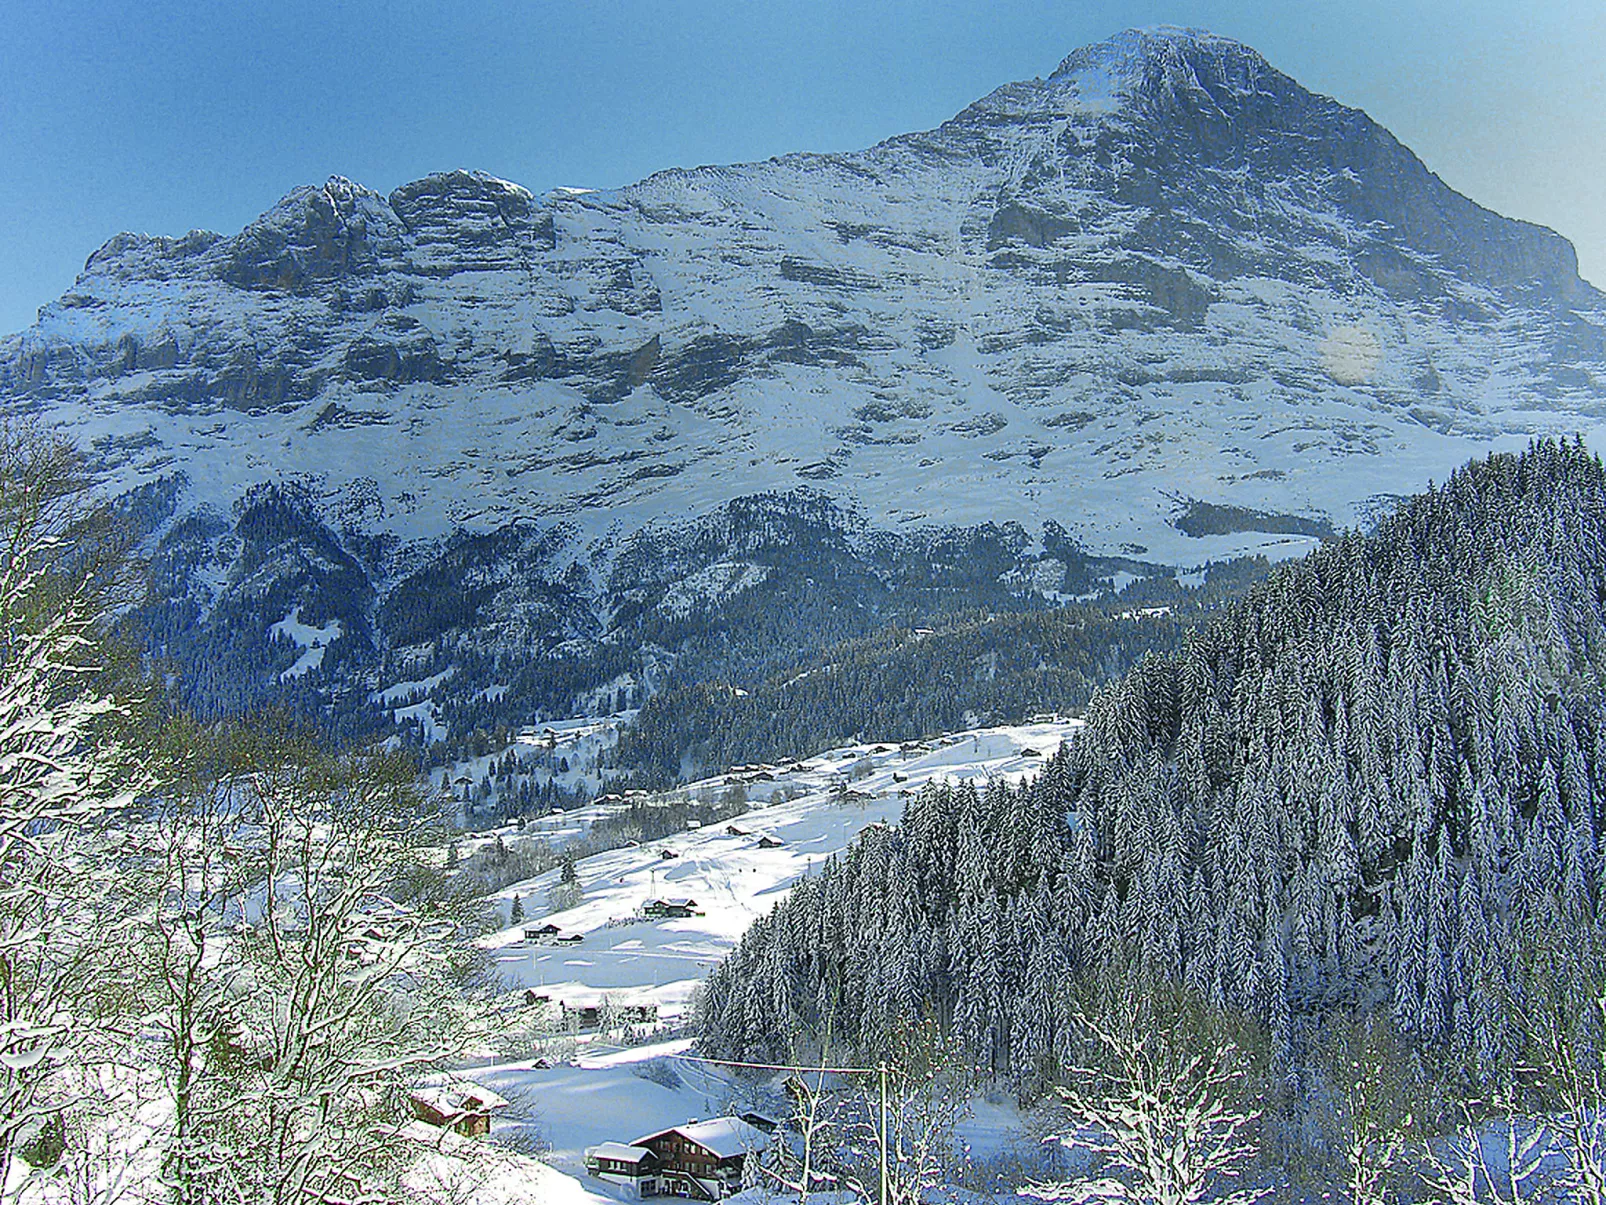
(977, 666)
(900, 684)
(1374, 785)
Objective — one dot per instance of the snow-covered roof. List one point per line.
(619, 1151)
(458, 1097)
(724, 1137)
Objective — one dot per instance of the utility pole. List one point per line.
(881, 1070)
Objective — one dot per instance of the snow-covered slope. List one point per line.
(1164, 275)
(602, 1094)
(807, 812)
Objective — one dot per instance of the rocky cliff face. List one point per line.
(1164, 277)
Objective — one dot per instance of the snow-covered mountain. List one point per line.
(1165, 298)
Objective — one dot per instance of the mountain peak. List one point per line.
(1167, 60)
(1132, 52)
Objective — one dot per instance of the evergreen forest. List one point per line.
(1371, 789)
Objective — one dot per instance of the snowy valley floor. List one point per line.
(606, 1093)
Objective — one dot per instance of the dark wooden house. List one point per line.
(457, 1105)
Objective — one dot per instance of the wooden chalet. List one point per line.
(590, 1014)
(639, 1014)
(632, 1168)
(459, 1106)
(701, 1160)
(582, 1016)
(665, 909)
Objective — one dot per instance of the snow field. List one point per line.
(312, 640)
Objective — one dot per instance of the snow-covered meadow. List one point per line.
(734, 871)
(801, 814)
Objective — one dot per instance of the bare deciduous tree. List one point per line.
(296, 991)
(350, 992)
(1460, 1171)
(62, 769)
(1165, 1101)
(1566, 1023)
(914, 1102)
(798, 1171)
(1371, 1114)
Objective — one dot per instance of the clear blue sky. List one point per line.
(163, 116)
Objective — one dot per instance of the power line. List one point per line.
(692, 1058)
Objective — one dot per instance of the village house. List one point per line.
(460, 1106)
(638, 1014)
(550, 935)
(629, 1167)
(664, 909)
(701, 1160)
(586, 1015)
